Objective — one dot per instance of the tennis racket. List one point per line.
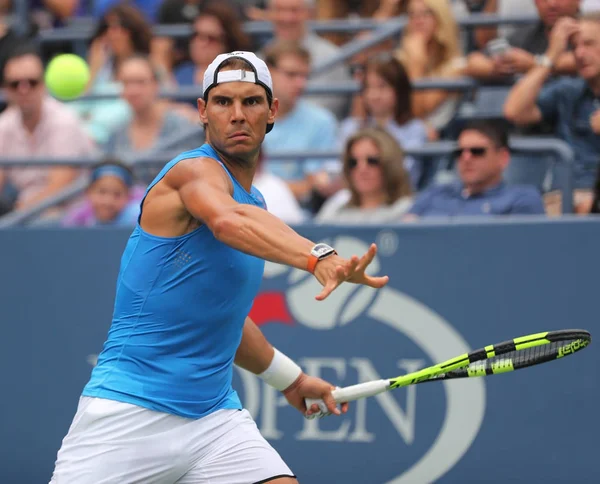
(503, 357)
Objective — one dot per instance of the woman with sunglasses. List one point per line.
(379, 189)
(386, 98)
(216, 30)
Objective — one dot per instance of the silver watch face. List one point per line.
(321, 250)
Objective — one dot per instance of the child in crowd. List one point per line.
(110, 199)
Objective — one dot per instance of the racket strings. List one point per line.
(520, 358)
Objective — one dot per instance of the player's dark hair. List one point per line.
(495, 129)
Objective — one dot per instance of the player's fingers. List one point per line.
(327, 289)
(314, 408)
(368, 257)
(351, 266)
(375, 281)
(330, 404)
(345, 407)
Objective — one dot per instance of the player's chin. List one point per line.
(242, 146)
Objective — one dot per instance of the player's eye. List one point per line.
(222, 101)
(252, 101)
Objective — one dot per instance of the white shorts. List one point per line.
(112, 442)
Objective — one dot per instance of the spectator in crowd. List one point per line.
(379, 189)
(168, 52)
(527, 46)
(482, 156)
(289, 23)
(152, 122)
(377, 9)
(571, 104)
(430, 48)
(122, 32)
(110, 199)
(300, 124)
(280, 200)
(216, 30)
(387, 97)
(357, 66)
(503, 8)
(36, 125)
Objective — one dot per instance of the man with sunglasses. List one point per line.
(37, 125)
(481, 157)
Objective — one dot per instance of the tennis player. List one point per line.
(159, 407)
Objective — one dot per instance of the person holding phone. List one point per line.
(526, 47)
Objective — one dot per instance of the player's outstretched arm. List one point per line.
(205, 190)
(256, 355)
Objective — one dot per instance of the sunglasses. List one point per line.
(14, 85)
(371, 161)
(475, 151)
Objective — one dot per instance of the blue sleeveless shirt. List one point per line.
(179, 311)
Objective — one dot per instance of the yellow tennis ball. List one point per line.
(67, 76)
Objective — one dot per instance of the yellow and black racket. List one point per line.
(494, 359)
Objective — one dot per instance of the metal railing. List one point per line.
(76, 188)
(560, 150)
(191, 93)
(381, 31)
(75, 33)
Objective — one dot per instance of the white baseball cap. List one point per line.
(259, 75)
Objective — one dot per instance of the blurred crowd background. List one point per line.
(391, 111)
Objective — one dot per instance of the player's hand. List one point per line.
(310, 387)
(334, 270)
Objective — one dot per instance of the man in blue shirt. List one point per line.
(571, 104)
(301, 125)
(482, 156)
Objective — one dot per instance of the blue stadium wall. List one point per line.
(452, 288)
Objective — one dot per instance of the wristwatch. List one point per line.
(319, 252)
(542, 60)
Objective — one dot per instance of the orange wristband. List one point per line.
(312, 263)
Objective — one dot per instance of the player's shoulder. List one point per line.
(198, 168)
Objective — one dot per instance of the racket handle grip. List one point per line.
(353, 392)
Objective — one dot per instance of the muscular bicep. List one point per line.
(206, 192)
